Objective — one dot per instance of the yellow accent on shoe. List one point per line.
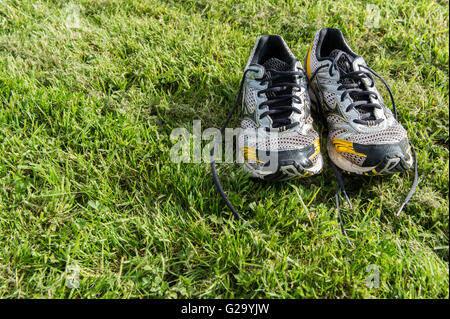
(308, 61)
(316, 149)
(343, 146)
(250, 154)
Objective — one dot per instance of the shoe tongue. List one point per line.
(276, 64)
(279, 65)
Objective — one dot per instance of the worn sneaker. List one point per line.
(277, 124)
(277, 139)
(364, 136)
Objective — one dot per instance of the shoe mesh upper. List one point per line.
(330, 98)
(392, 134)
(250, 98)
(276, 64)
(247, 124)
(357, 159)
(280, 142)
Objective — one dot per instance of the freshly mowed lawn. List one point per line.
(89, 93)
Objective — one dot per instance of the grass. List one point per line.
(89, 93)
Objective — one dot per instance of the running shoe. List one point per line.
(364, 135)
(277, 122)
(277, 139)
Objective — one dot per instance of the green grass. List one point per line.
(89, 93)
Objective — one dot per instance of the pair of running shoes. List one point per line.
(278, 95)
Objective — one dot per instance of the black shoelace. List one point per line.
(274, 86)
(279, 94)
(351, 82)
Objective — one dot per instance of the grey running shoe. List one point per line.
(364, 136)
(277, 137)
